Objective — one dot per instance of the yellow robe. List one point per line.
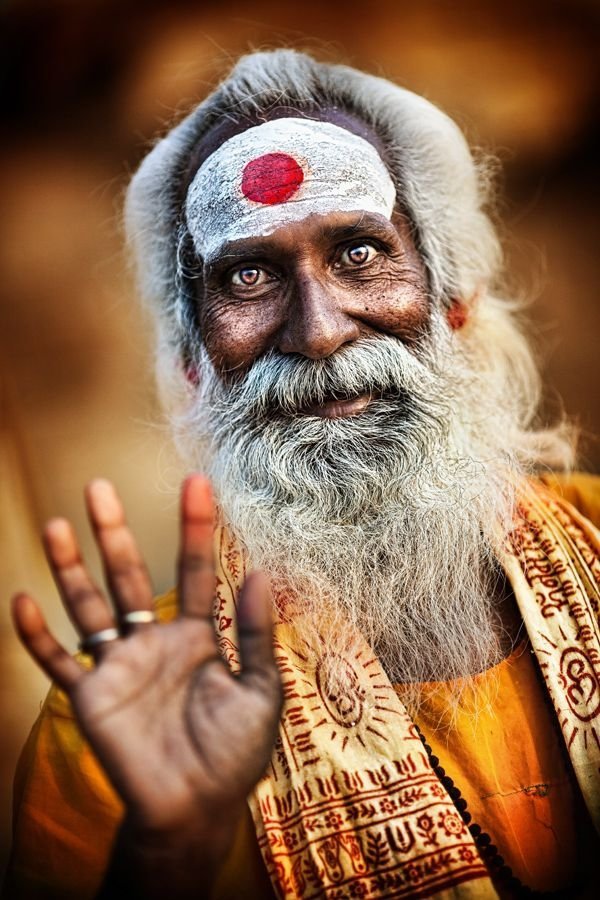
(66, 813)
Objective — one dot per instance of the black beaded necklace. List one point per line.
(501, 874)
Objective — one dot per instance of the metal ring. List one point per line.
(97, 638)
(137, 617)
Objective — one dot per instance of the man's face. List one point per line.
(310, 288)
(344, 428)
(303, 251)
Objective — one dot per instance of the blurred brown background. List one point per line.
(87, 84)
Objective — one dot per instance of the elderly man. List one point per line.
(314, 245)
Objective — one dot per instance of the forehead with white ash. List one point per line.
(280, 172)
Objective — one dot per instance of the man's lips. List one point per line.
(337, 409)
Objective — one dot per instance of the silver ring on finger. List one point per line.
(91, 641)
(137, 617)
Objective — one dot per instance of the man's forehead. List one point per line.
(226, 128)
(281, 172)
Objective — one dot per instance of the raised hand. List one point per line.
(182, 739)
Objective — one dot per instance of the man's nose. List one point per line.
(317, 324)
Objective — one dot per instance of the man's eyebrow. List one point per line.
(365, 224)
(254, 248)
(248, 249)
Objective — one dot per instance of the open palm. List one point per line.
(179, 736)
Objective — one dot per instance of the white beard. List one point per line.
(386, 522)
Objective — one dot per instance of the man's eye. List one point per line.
(249, 276)
(358, 254)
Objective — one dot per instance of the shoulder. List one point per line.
(579, 489)
(65, 808)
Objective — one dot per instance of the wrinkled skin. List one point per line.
(311, 287)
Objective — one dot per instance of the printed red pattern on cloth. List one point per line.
(350, 806)
(554, 565)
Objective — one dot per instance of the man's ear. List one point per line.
(190, 370)
(191, 374)
(460, 310)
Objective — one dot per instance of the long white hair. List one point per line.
(442, 188)
(389, 521)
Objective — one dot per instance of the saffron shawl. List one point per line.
(350, 805)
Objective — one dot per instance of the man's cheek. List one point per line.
(235, 334)
(400, 310)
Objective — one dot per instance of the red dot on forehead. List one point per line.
(272, 178)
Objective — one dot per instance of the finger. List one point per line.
(196, 569)
(51, 657)
(125, 570)
(255, 627)
(83, 601)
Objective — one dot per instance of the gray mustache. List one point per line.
(287, 384)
